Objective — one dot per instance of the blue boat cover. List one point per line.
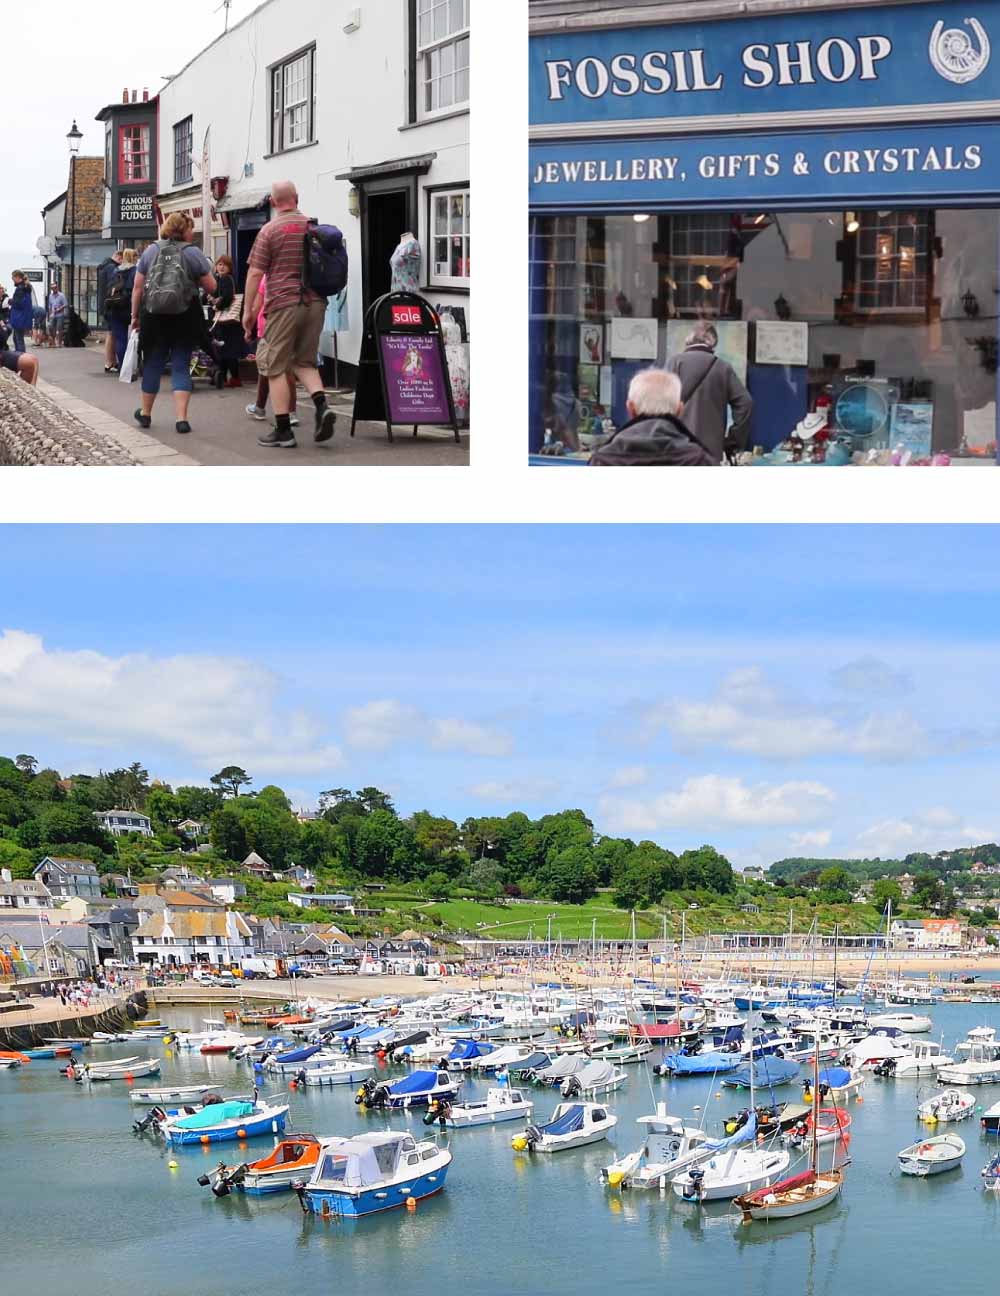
(768, 1070)
(415, 1082)
(701, 1063)
(835, 1077)
(215, 1114)
(299, 1054)
(570, 1121)
(746, 1134)
(467, 1048)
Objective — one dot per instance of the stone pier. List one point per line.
(49, 1019)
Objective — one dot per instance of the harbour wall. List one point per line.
(117, 1016)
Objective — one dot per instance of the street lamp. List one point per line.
(73, 138)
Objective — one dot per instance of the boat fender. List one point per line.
(411, 1203)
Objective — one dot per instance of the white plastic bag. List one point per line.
(131, 362)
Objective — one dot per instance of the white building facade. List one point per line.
(364, 106)
(120, 822)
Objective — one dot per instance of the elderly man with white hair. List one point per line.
(654, 436)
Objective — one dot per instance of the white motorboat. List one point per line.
(980, 1064)
(727, 1174)
(500, 1104)
(948, 1105)
(180, 1094)
(572, 1125)
(670, 1147)
(925, 1058)
(627, 1053)
(132, 1069)
(596, 1077)
(909, 1023)
(990, 1120)
(336, 1072)
(837, 1081)
(932, 1156)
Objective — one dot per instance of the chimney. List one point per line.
(135, 96)
(125, 95)
(145, 96)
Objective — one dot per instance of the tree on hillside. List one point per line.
(649, 871)
(565, 829)
(569, 875)
(437, 836)
(163, 808)
(127, 787)
(197, 802)
(61, 823)
(384, 847)
(886, 890)
(227, 834)
(230, 779)
(928, 891)
(610, 855)
(26, 764)
(706, 867)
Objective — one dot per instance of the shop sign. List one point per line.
(929, 163)
(135, 208)
(878, 58)
(402, 371)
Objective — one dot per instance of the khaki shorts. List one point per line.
(291, 339)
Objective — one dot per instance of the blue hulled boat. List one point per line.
(373, 1172)
(414, 1090)
(225, 1122)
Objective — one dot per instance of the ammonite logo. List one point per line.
(955, 55)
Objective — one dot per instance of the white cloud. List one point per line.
(750, 715)
(513, 791)
(629, 776)
(870, 676)
(811, 840)
(712, 800)
(379, 725)
(211, 709)
(931, 830)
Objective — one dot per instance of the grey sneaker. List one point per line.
(279, 440)
(326, 421)
(256, 413)
(293, 420)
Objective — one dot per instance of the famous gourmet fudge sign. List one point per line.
(872, 59)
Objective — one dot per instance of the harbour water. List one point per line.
(86, 1206)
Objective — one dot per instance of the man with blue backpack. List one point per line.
(305, 263)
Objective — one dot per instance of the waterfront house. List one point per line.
(68, 877)
(64, 950)
(926, 933)
(178, 937)
(112, 932)
(258, 866)
(302, 877)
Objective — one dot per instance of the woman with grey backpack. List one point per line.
(167, 312)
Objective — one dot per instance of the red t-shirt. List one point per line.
(279, 252)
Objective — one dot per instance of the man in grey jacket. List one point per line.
(709, 387)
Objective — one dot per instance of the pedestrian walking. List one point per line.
(710, 388)
(118, 307)
(227, 325)
(258, 410)
(106, 273)
(168, 314)
(21, 310)
(56, 313)
(295, 313)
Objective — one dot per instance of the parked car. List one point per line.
(226, 979)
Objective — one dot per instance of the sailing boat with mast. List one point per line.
(802, 1193)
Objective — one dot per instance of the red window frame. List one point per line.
(144, 179)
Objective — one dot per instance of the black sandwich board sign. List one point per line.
(403, 372)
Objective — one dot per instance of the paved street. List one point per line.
(223, 435)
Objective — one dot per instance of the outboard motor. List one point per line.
(885, 1068)
(150, 1121)
(571, 1087)
(694, 1187)
(531, 1136)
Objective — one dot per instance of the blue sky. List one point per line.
(773, 690)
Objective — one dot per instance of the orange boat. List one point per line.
(287, 1019)
(7, 1056)
(292, 1160)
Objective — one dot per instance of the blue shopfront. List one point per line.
(820, 181)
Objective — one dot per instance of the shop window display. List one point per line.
(863, 336)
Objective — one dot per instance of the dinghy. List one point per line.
(336, 1071)
(373, 1172)
(181, 1094)
(572, 1125)
(670, 1147)
(292, 1160)
(224, 1122)
(500, 1104)
(948, 1105)
(132, 1069)
(799, 1195)
(932, 1156)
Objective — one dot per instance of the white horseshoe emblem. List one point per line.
(953, 54)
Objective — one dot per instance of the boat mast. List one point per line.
(836, 944)
(815, 1129)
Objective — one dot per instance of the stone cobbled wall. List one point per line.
(34, 430)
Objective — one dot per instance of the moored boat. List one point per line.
(948, 1105)
(798, 1195)
(130, 1069)
(373, 1172)
(292, 1160)
(224, 1122)
(932, 1156)
(500, 1104)
(337, 1071)
(178, 1094)
(415, 1090)
(670, 1147)
(572, 1125)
